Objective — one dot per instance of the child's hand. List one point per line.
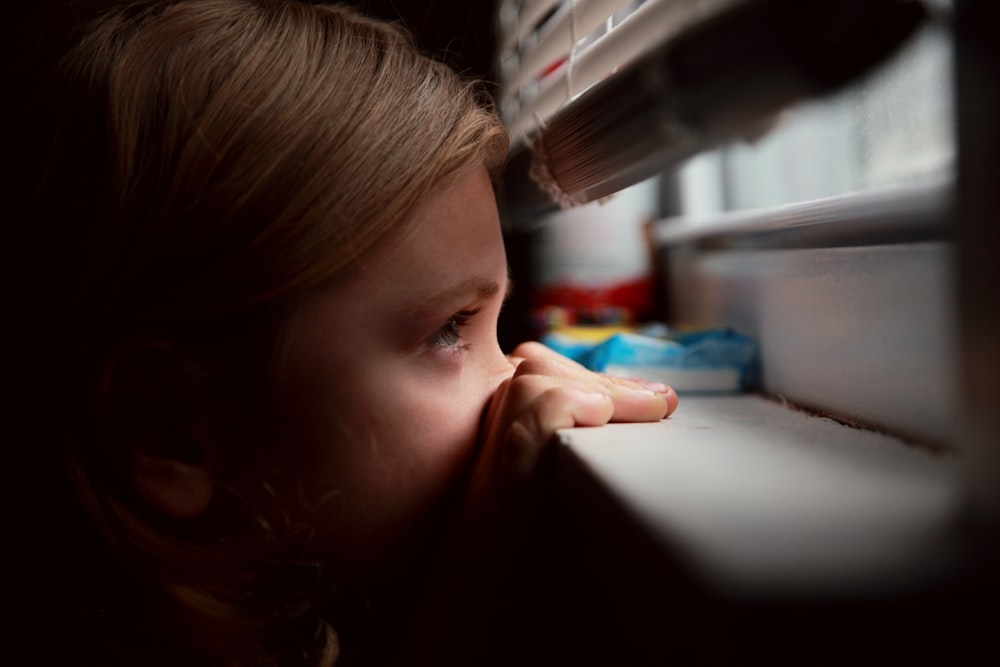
(502, 528)
(548, 392)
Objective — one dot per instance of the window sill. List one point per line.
(760, 500)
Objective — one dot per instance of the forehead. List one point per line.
(450, 238)
(450, 249)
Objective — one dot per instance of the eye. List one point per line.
(450, 333)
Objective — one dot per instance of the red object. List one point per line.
(588, 304)
(552, 67)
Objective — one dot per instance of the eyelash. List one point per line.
(449, 336)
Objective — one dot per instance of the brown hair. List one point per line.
(218, 159)
(315, 129)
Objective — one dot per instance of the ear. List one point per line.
(154, 418)
(178, 490)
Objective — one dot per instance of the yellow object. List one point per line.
(591, 334)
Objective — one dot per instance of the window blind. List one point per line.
(554, 50)
(601, 94)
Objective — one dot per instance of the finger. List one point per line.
(539, 359)
(555, 408)
(659, 388)
(522, 419)
(639, 404)
(672, 401)
(517, 394)
(633, 401)
(538, 351)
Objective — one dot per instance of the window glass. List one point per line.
(892, 127)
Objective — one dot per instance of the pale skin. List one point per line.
(394, 384)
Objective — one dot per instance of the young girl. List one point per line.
(279, 267)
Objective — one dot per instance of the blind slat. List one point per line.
(709, 81)
(650, 25)
(557, 37)
(526, 19)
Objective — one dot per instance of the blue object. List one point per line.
(718, 360)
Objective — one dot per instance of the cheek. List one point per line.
(382, 455)
(422, 435)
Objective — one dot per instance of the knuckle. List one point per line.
(553, 401)
(530, 349)
(523, 388)
(555, 366)
(534, 366)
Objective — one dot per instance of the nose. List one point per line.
(500, 366)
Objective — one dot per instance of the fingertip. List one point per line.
(672, 401)
(664, 391)
(643, 402)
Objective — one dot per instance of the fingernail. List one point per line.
(656, 387)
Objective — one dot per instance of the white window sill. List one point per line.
(763, 500)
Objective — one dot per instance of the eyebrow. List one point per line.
(480, 287)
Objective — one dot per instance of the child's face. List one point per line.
(387, 374)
